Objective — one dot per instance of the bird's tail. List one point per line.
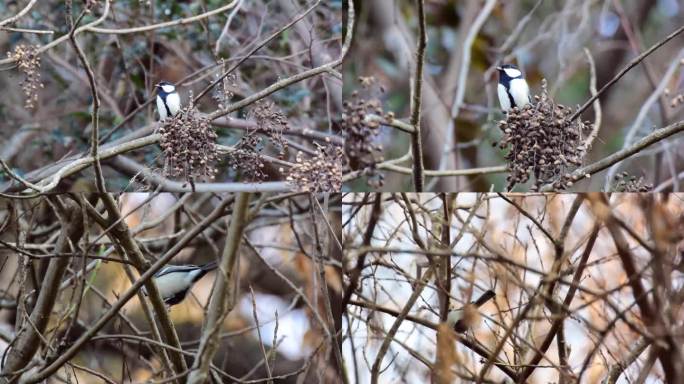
(209, 266)
(205, 269)
(484, 298)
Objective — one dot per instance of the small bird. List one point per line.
(174, 281)
(168, 101)
(462, 319)
(512, 89)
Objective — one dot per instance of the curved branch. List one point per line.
(18, 15)
(223, 298)
(60, 39)
(656, 136)
(146, 28)
(624, 70)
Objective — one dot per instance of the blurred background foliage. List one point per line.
(551, 46)
(128, 65)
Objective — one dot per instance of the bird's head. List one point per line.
(165, 87)
(509, 70)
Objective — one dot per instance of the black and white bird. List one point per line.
(462, 319)
(174, 281)
(512, 89)
(168, 101)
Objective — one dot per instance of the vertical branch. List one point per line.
(420, 284)
(468, 42)
(597, 103)
(223, 299)
(28, 339)
(561, 313)
(361, 259)
(444, 272)
(667, 351)
(122, 234)
(416, 94)
(319, 268)
(95, 120)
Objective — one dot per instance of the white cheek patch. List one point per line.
(512, 73)
(168, 88)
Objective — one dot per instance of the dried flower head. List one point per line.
(246, 157)
(542, 142)
(320, 173)
(271, 122)
(624, 182)
(189, 145)
(28, 62)
(359, 131)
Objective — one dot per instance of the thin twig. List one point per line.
(420, 284)
(95, 117)
(20, 14)
(656, 136)
(597, 104)
(59, 40)
(226, 27)
(145, 28)
(254, 50)
(416, 96)
(643, 113)
(222, 300)
(626, 69)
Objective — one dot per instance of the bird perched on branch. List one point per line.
(174, 281)
(512, 89)
(168, 101)
(462, 319)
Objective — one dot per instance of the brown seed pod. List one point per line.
(541, 142)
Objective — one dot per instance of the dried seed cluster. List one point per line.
(189, 145)
(359, 132)
(627, 183)
(28, 62)
(271, 121)
(542, 143)
(320, 173)
(246, 157)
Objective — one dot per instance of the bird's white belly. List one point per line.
(173, 101)
(161, 108)
(520, 92)
(503, 98)
(169, 285)
(453, 316)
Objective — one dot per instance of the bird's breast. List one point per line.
(161, 108)
(170, 284)
(173, 102)
(503, 97)
(520, 92)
